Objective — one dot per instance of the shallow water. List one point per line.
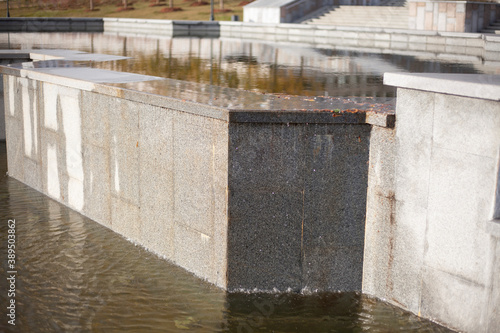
(250, 65)
(74, 275)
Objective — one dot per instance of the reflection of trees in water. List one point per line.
(270, 68)
(245, 72)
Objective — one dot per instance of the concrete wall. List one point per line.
(52, 24)
(161, 27)
(457, 16)
(155, 175)
(432, 240)
(281, 11)
(109, 24)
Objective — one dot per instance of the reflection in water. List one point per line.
(75, 275)
(250, 65)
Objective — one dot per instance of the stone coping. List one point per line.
(270, 3)
(161, 21)
(57, 54)
(467, 85)
(51, 24)
(317, 27)
(232, 105)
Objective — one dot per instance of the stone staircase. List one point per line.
(392, 14)
(492, 29)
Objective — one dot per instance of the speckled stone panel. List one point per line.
(297, 196)
(334, 206)
(157, 180)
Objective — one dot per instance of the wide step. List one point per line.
(364, 16)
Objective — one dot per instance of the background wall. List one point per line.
(457, 16)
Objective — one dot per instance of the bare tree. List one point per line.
(125, 4)
(221, 5)
(171, 4)
(91, 5)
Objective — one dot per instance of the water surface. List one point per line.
(264, 67)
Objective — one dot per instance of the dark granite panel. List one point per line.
(264, 242)
(266, 157)
(332, 268)
(297, 197)
(334, 206)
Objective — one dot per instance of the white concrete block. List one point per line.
(477, 121)
(460, 197)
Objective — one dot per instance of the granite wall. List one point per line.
(455, 16)
(297, 197)
(264, 199)
(133, 26)
(157, 176)
(432, 238)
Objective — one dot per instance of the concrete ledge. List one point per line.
(466, 85)
(162, 27)
(52, 24)
(14, 54)
(466, 47)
